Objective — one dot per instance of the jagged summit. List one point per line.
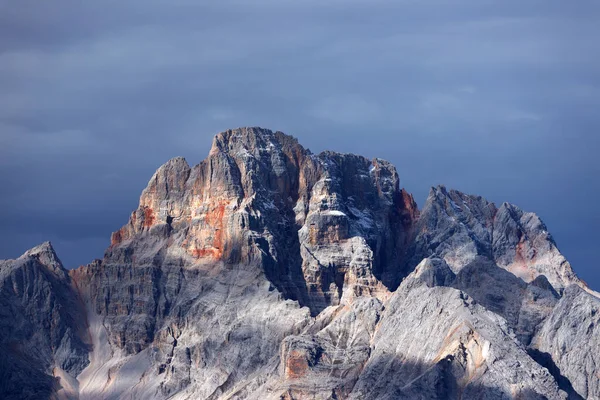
(45, 253)
(460, 227)
(42, 256)
(269, 272)
(253, 139)
(45, 247)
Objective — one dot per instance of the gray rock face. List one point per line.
(43, 340)
(460, 228)
(523, 305)
(268, 272)
(569, 342)
(327, 358)
(454, 348)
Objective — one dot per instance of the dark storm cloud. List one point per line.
(494, 98)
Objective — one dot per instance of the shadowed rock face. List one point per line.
(43, 333)
(267, 271)
(570, 337)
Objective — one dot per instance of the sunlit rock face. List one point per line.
(269, 272)
(459, 228)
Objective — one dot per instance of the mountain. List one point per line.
(269, 272)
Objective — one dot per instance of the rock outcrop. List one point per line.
(269, 272)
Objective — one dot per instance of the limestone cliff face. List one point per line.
(269, 272)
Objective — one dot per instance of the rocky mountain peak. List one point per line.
(260, 197)
(42, 250)
(46, 256)
(254, 140)
(459, 227)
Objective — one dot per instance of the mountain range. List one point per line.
(270, 272)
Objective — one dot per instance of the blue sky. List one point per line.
(492, 98)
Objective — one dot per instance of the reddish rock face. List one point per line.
(116, 238)
(214, 223)
(296, 365)
(148, 217)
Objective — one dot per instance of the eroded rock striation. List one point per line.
(267, 271)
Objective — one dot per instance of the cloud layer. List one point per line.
(494, 98)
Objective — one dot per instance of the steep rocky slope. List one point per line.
(43, 334)
(267, 271)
